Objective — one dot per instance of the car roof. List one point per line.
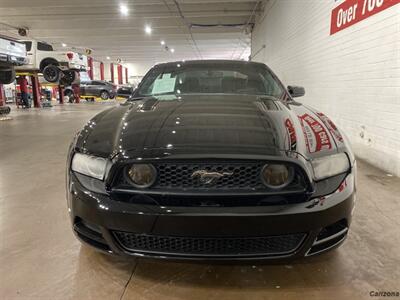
(209, 61)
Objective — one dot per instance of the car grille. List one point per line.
(237, 175)
(242, 186)
(210, 246)
(20, 59)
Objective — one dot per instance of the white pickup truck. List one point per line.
(12, 54)
(56, 66)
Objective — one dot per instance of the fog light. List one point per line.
(277, 176)
(142, 175)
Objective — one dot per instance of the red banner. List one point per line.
(351, 12)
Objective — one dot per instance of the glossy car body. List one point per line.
(98, 88)
(227, 133)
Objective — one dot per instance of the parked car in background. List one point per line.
(12, 54)
(98, 88)
(125, 91)
(56, 66)
(211, 160)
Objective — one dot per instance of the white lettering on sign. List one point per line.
(371, 4)
(347, 15)
(350, 12)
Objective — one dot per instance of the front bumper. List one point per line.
(72, 66)
(312, 227)
(12, 59)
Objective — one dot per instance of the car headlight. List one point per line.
(142, 175)
(277, 176)
(329, 166)
(89, 165)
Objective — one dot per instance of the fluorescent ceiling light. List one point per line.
(108, 57)
(162, 43)
(124, 10)
(64, 45)
(147, 29)
(172, 50)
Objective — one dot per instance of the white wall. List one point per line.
(132, 71)
(138, 69)
(353, 75)
(115, 73)
(96, 70)
(107, 72)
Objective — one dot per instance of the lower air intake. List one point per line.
(210, 246)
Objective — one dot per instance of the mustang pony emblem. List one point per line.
(209, 177)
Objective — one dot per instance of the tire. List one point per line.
(68, 78)
(7, 76)
(70, 95)
(4, 110)
(52, 73)
(104, 95)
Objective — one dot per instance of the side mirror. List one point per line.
(296, 91)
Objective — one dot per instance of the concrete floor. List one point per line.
(41, 259)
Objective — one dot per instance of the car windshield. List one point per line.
(210, 78)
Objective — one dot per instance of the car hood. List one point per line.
(206, 125)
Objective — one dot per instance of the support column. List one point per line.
(77, 92)
(61, 94)
(112, 72)
(90, 66)
(76, 89)
(35, 91)
(101, 71)
(126, 75)
(2, 96)
(120, 80)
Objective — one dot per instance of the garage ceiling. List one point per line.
(184, 25)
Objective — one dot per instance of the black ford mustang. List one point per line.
(211, 160)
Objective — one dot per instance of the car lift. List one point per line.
(4, 110)
(36, 88)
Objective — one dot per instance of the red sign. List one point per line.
(353, 11)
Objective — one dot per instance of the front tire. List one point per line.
(52, 73)
(7, 76)
(104, 95)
